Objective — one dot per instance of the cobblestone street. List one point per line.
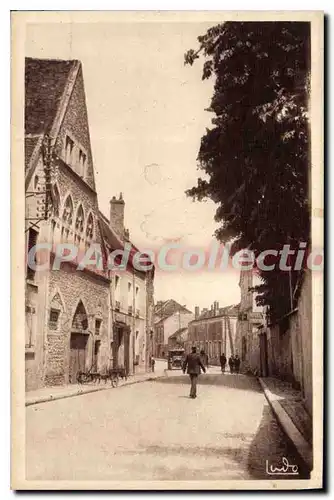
(153, 431)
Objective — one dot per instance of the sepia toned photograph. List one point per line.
(167, 250)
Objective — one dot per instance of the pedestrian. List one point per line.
(222, 360)
(237, 363)
(231, 363)
(194, 365)
(152, 363)
(204, 358)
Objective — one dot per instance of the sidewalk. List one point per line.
(67, 391)
(287, 405)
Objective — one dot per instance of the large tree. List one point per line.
(256, 154)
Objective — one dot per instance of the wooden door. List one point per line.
(96, 356)
(77, 355)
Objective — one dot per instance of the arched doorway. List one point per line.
(78, 343)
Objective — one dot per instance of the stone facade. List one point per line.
(150, 346)
(75, 124)
(282, 349)
(73, 322)
(289, 345)
(169, 316)
(250, 317)
(214, 331)
(75, 287)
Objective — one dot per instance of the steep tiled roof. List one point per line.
(114, 242)
(178, 332)
(168, 308)
(45, 81)
(231, 310)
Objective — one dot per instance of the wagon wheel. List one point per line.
(85, 377)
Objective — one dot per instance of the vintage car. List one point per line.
(175, 358)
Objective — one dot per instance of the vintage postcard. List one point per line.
(167, 251)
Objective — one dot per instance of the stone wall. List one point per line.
(47, 361)
(289, 345)
(150, 337)
(75, 286)
(34, 349)
(306, 334)
(76, 123)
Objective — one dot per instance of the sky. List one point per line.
(147, 115)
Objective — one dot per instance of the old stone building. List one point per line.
(169, 317)
(250, 318)
(70, 324)
(131, 298)
(178, 339)
(214, 331)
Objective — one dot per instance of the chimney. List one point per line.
(196, 312)
(117, 215)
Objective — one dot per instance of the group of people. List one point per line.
(233, 362)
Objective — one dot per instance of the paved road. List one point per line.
(153, 431)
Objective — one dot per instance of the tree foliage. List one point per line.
(256, 154)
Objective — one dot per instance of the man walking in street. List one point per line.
(223, 360)
(231, 363)
(152, 363)
(204, 358)
(194, 364)
(237, 363)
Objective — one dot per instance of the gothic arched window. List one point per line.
(79, 221)
(80, 319)
(90, 227)
(55, 200)
(68, 210)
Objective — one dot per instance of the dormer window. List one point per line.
(69, 150)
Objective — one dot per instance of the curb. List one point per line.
(302, 446)
(47, 399)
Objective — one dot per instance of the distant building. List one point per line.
(214, 331)
(250, 319)
(178, 339)
(169, 317)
